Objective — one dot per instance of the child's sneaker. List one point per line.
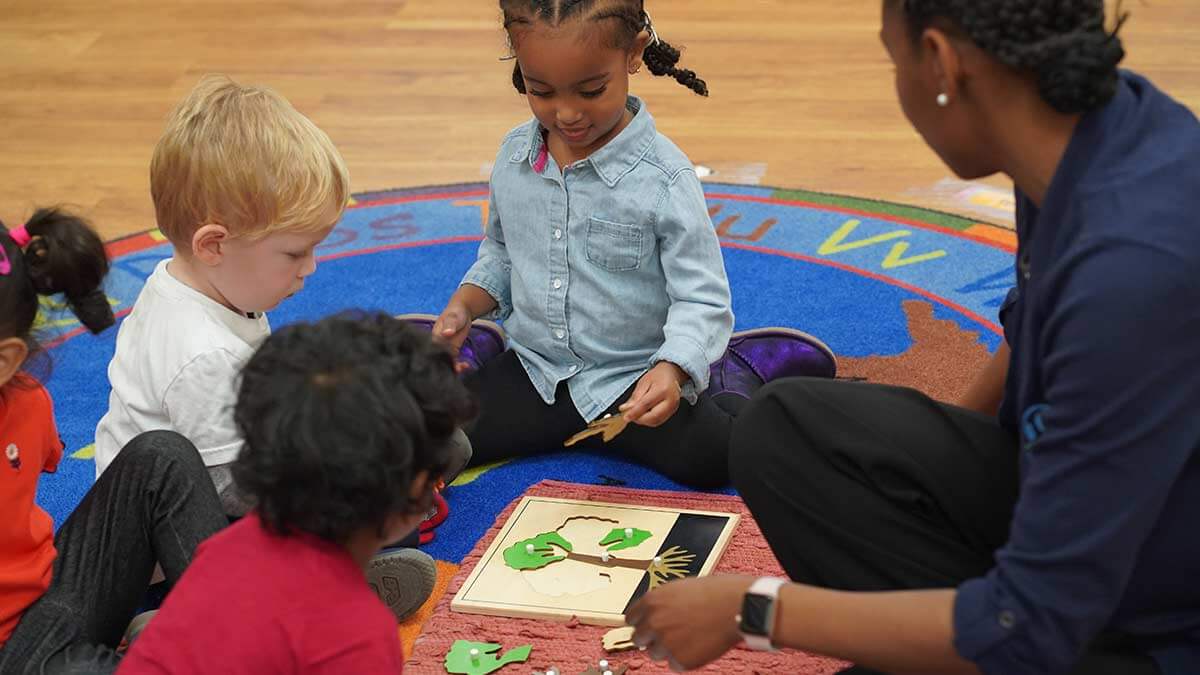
(485, 341)
(460, 455)
(758, 356)
(403, 579)
(135, 628)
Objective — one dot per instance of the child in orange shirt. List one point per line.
(65, 599)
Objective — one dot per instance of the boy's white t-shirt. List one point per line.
(179, 354)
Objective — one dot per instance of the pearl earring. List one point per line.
(943, 100)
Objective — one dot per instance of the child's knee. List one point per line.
(161, 444)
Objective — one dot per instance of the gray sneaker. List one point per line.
(403, 579)
(460, 455)
(136, 626)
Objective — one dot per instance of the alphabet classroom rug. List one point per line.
(903, 295)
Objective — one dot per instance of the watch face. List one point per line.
(754, 614)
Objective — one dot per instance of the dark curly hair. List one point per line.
(1063, 43)
(629, 19)
(339, 417)
(66, 257)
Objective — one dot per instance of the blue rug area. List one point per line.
(835, 267)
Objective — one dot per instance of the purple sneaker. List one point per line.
(756, 357)
(484, 342)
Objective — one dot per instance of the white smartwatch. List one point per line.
(757, 620)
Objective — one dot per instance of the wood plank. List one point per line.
(413, 92)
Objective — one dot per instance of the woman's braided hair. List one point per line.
(1063, 43)
(629, 18)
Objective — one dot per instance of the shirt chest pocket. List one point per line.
(615, 247)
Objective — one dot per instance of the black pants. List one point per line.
(691, 448)
(866, 487)
(154, 504)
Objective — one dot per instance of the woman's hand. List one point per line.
(690, 622)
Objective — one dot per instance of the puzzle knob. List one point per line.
(474, 655)
(529, 548)
(658, 560)
(604, 556)
(629, 533)
(603, 664)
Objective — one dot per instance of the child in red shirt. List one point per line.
(347, 425)
(65, 599)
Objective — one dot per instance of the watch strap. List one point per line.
(768, 587)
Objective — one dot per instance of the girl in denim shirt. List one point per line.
(602, 261)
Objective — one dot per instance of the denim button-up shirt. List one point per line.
(605, 268)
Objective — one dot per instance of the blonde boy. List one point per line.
(245, 188)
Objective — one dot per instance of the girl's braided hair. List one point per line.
(628, 19)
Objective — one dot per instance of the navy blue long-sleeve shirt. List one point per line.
(1103, 390)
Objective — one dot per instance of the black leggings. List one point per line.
(866, 487)
(154, 504)
(691, 448)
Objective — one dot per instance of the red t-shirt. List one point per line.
(255, 603)
(30, 445)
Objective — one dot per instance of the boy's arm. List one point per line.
(360, 640)
(700, 319)
(199, 404)
(365, 656)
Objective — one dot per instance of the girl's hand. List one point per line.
(656, 396)
(689, 622)
(452, 326)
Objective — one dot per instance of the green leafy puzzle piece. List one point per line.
(616, 540)
(460, 660)
(536, 553)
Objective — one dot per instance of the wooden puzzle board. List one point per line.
(583, 585)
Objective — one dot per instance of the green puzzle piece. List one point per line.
(518, 556)
(619, 541)
(460, 662)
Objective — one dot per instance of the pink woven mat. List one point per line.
(573, 647)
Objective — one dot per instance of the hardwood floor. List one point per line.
(413, 92)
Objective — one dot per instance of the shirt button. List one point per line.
(560, 333)
(558, 234)
(557, 284)
(1007, 620)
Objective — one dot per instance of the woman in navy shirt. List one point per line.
(1048, 524)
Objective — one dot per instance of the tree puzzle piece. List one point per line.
(539, 552)
(619, 639)
(672, 564)
(624, 537)
(607, 427)
(480, 658)
(536, 553)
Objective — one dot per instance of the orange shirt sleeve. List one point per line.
(54, 445)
